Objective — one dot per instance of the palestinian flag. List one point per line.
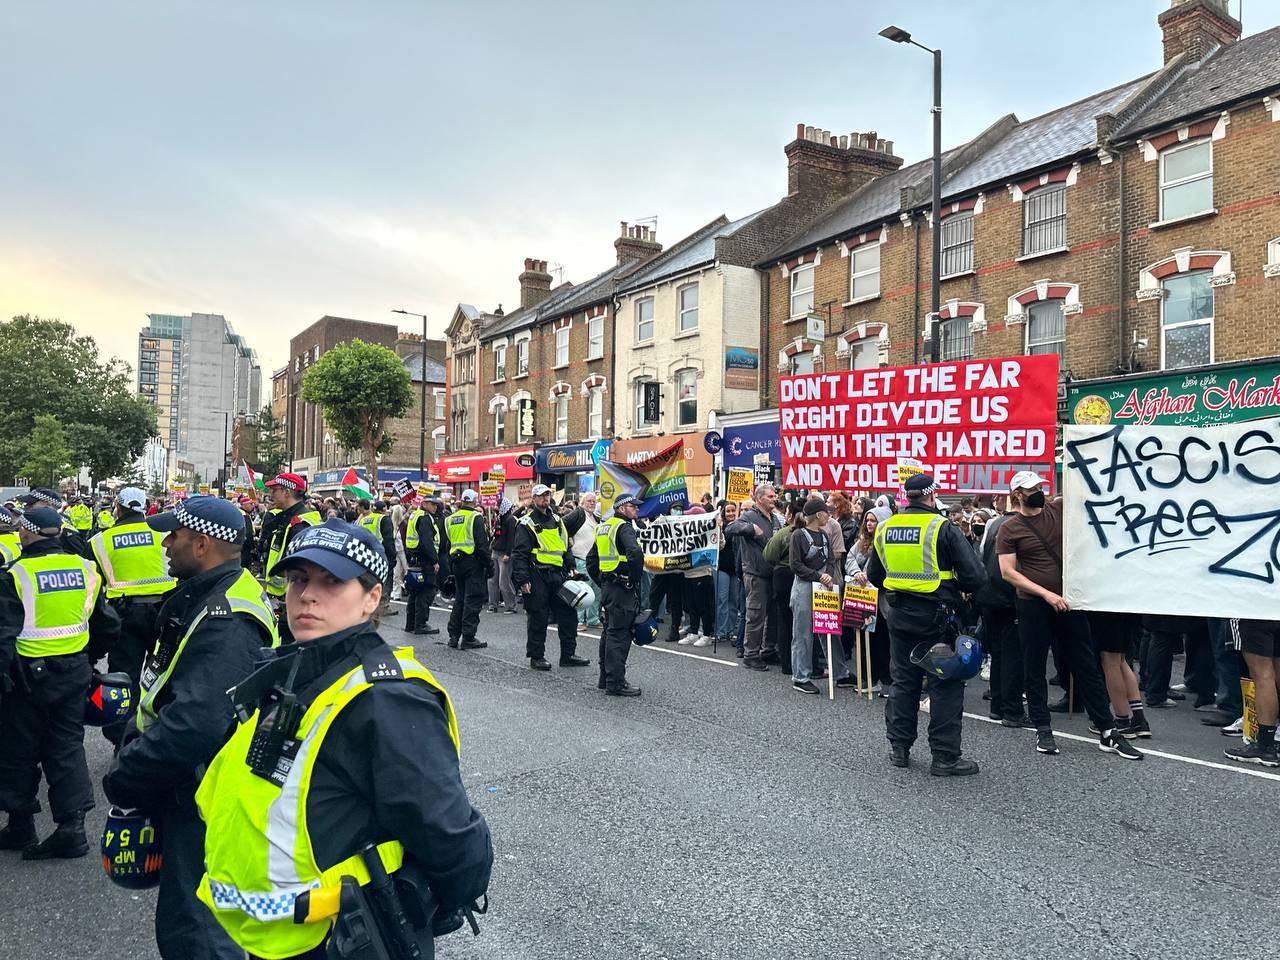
(353, 485)
(255, 482)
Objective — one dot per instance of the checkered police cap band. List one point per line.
(283, 481)
(209, 528)
(27, 524)
(40, 496)
(344, 544)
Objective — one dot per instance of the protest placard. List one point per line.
(970, 424)
(826, 609)
(681, 543)
(1171, 520)
(490, 494)
(859, 603)
(738, 489)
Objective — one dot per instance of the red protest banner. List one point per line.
(849, 429)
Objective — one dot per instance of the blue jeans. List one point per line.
(802, 637)
(729, 606)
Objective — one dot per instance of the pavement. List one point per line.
(723, 815)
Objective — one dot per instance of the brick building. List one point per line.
(407, 429)
(1134, 230)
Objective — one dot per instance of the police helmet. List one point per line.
(646, 628)
(131, 849)
(413, 579)
(575, 593)
(449, 588)
(946, 663)
(108, 700)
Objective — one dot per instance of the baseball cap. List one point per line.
(40, 519)
(135, 498)
(212, 516)
(540, 488)
(1024, 479)
(344, 549)
(814, 507)
(290, 481)
(470, 496)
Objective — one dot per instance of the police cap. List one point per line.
(921, 485)
(346, 550)
(212, 516)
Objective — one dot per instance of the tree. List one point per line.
(272, 453)
(360, 386)
(48, 455)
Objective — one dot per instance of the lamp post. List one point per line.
(422, 436)
(898, 35)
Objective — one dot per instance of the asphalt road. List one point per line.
(722, 815)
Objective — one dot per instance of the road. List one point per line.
(722, 815)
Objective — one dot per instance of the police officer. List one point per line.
(424, 549)
(922, 562)
(135, 578)
(212, 626)
(81, 516)
(373, 517)
(106, 514)
(51, 612)
(541, 561)
(469, 556)
(10, 545)
(72, 541)
(616, 562)
(343, 742)
(288, 496)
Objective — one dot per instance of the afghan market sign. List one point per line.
(1228, 393)
(849, 430)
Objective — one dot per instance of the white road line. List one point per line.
(691, 656)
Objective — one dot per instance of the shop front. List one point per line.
(328, 483)
(752, 441)
(460, 471)
(699, 465)
(570, 468)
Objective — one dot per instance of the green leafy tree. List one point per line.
(360, 387)
(272, 453)
(48, 454)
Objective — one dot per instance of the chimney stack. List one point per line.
(535, 283)
(1195, 27)
(636, 243)
(823, 166)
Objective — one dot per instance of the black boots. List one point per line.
(65, 843)
(20, 832)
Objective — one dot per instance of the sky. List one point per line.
(276, 162)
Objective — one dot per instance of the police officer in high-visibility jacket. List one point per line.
(343, 742)
(53, 623)
(541, 561)
(10, 545)
(135, 578)
(81, 516)
(922, 561)
(287, 493)
(428, 561)
(72, 540)
(616, 562)
(212, 627)
(106, 516)
(469, 557)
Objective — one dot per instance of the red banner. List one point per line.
(848, 430)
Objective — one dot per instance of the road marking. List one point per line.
(691, 656)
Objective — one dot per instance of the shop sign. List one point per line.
(1226, 393)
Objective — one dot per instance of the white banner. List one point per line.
(1173, 520)
(681, 543)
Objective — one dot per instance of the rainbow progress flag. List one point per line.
(658, 480)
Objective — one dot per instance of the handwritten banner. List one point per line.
(1173, 520)
(849, 430)
(738, 489)
(826, 610)
(681, 543)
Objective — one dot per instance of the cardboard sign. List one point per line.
(848, 430)
(203, 488)
(1248, 691)
(859, 603)
(738, 489)
(490, 494)
(826, 610)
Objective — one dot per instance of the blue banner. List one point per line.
(741, 444)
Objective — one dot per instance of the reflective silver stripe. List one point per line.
(262, 907)
(114, 584)
(29, 629)
(28, 593)
(103, 555)
(930, 547)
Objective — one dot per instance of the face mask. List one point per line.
(978, 531)
(1034, 500)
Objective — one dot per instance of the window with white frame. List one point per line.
(522, 357)
(438, 440)
(1044, 219)
(1186, 320)
(500, 425)
(644, 320)
(562, 347)
(464, 367)
(595, 413)
(957, 340)
(639, 422)
(1186, 180)
(439, 409)
(1046, 327)
(957, 244)
(801, 362)
(562, 418)
(500, 362)
(595, 337)
(687, 299)
(864, 272)
(801, 291)
(687, 397)
(864, 354)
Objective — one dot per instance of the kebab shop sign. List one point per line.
(850, 429)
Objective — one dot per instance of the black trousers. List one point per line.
(902, 709)
(778, 628)
(699, 603)
(1005, 647)
(620, 606)
(418, 606)
(1039, 625)
(43, 728)
(185, 927)
(542, 605)
(473, 589)
(138, 632)
(671, 587)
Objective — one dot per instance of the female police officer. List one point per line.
(343, 743)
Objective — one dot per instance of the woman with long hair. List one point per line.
(855, 567)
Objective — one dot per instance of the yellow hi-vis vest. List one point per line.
(81, 517)
(607, 544)
(550, 542)
(132, 561)
(258, 851)
(58, 592)
(411, 540)
(276, 582)
(461, 529)
(10, 547)
(245, 595)
(907, 544)
(106, 519)
(371, 522)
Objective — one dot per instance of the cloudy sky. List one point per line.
(277, 161)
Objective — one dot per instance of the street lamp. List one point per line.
(898, 35)
(422, 437)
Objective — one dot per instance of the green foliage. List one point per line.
(272, 453)
(51, 371)
(360, 386)
(48, 455)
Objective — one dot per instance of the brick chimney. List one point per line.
(535, 283)
(636, 243)
(824, 166)
(1195, 27)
